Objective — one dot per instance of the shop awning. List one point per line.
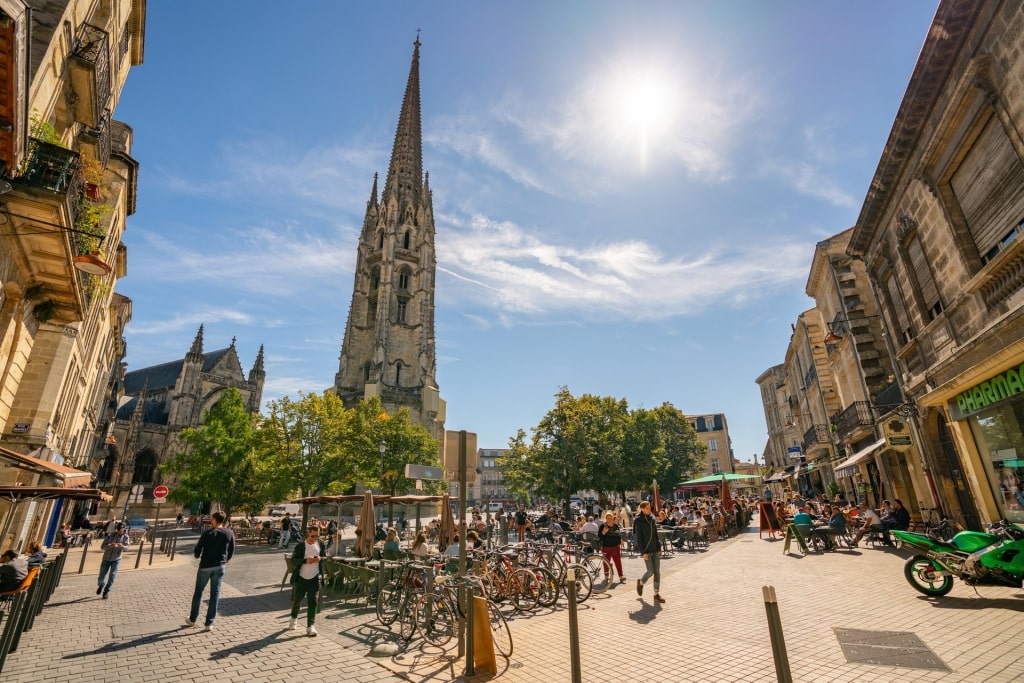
(781, 476)
(64, 475)
(848, 467)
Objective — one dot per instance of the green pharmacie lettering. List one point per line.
(991, 391)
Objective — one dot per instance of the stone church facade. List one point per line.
(389, 348)
(155, 404)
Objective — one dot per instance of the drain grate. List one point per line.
(887, 648)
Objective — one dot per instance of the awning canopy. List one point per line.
(69, 476)
(717, 478)
(847, 467)
(16, 494)
(777, 477)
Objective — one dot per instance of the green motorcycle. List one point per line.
(992, 558)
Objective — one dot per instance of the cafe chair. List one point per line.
(291, 566)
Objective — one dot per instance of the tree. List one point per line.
(303, 447)
(684, 453)
(572, 447)
(404, 443)
(217, 463)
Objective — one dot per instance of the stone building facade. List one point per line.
(389, 347)
(154, 405)
(67, 186)
(713, 431)
(940, 235)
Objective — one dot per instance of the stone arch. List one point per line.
(144, 471)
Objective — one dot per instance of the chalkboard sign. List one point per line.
(769, 522)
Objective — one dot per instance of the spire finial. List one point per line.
(405, 172)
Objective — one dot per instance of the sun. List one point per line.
(639, 106)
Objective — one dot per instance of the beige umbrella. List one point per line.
(364, 546)
(446, 534)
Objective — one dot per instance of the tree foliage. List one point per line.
(593, 442)
(217, 463)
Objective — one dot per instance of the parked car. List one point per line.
(137, 523)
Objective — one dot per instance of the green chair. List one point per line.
(292, 565)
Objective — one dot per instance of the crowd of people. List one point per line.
(837, 517)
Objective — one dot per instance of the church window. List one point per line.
(371, 311)
(145, 464)
(400, 312)
(366, 371)
(375, 280)
(406, 239)
(398, 373)
(380, 239)
(403, 280)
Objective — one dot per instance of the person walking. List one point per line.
(286, 530)
(645, 534)
(521, 520)
(113, 546)
(611, 539)
(214, 550)
(306, 579)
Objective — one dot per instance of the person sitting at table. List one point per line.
(419, 546)
(802, 518)
(36, 555)
(871, 522)
(473, 541)
(392, 548)
(836, 526)
(453, 547)
(64, 536)
(590, 526)
(13, 570)
(899, 519)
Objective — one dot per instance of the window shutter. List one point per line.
(923, 276)
(989, 185)
(896, 300)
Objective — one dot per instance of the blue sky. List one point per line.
(627, 194)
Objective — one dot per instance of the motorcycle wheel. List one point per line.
(920, 573)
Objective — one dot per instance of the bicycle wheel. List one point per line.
(584, 585)
(500, 633)
(600, 570)
(547, 593)
(407, 616)
(435, 618)
(388, 601)
(524, 589)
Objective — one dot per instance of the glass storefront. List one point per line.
(999, 435)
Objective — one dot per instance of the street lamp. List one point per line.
(383, 447)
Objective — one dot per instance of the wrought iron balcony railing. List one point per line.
(849, 421)
(817, 434)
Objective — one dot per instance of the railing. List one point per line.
(93, 49)
(857, 414)
(52, 168)
(817, 434)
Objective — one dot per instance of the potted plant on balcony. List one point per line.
(92, 174)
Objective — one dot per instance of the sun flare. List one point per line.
(639, 109)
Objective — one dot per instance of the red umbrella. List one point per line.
(656, 500)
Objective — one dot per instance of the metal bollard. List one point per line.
(85, 549)
(467, 593)
(138, 558)
(771, 606)
(174, 546)
(152, 547)
(574, 626)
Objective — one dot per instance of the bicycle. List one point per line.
(437, 614)
(940, 527)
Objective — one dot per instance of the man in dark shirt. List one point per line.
(899, 518)
(645, 536)
(521, 519)
(214, 550)
(13, 570)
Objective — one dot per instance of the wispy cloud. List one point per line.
(500, 266)
(188, 320)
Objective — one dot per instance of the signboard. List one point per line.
(428, 472)
(794, 452)
(450, 451)
(897, 434)
(159, 493)
(20, 427)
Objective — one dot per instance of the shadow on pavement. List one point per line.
(1012, 604)
(646, 614)
(108, 648)
(257, 645)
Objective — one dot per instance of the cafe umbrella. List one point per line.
(364, 546)
(446, 533)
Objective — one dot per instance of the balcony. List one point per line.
(851, 423)
(90, 75)
(816, 435)
(41, 211)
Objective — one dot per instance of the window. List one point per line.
(403, 280)
(922, 273)
(375, 280)
(400, 312)
(715, 468)
(406, 239)
(371, 311)
(380, 239)
(989, 187)
(145, 463)
(712, 444)
(899, 309)
(398, 373)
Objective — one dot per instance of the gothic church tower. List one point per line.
(388, 349)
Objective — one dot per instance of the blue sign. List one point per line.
(794, 452)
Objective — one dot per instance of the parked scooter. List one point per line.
(995, 558)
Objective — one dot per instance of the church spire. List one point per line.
(196, 352)
(405, 174)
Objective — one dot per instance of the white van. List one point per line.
(280, 510)
(495, 507)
